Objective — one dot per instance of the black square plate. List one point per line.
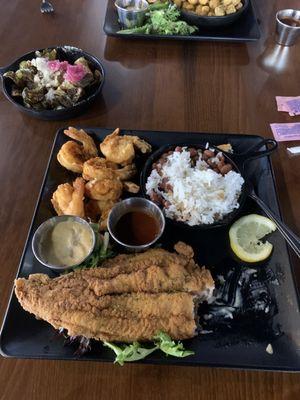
(245, 29)
(23, 336)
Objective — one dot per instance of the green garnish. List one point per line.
(129, 353)
(135, 351)
(100, 253)
(162, 19)
(168, 346)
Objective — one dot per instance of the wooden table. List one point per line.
(209, 87)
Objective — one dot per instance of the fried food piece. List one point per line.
(125, 318)
(130, 298)
(220, 11)
(100, 168)
(184, 250)
(177, 2)
(230, 9)
(214, 3)
(121, 149)
(105, 189)
(68, 199)
(131, 187)
(127, 172)
(226, 147)
(202, 10)
(103, 219)
(98, 211)
(94, 208)
(72, 154)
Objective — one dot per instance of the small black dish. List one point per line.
(237, 161)
(213, 21)
(64, 53)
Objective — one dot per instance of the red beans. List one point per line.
(214, 161)
(225, 169)
(208, 154)
(193, 152)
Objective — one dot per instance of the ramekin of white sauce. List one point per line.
(63, 242)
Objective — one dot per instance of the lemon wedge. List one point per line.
(245, 238)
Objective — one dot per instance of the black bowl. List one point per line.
(213, 22)
(225, 221)
(64, 53)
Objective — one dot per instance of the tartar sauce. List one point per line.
(69, 243)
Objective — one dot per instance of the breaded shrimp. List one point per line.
(72, 154)
(68, 199)
(105, 189)
(121, 149)
(94, 208)
(131, 187)
(100, 168)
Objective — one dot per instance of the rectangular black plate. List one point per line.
(23, 336)
(245, 29)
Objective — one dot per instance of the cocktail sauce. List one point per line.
(136, 228)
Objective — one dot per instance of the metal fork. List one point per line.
(46, 7)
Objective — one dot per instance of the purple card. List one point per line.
(286, 132)
(294, 106)
(288, 104)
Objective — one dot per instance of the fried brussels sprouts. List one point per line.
(48, 83)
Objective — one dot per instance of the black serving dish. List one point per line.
(252, 153)
(244, 29)
(212, 21)
(64, 53)
(243, 343)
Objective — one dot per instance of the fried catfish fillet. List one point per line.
(130, 298)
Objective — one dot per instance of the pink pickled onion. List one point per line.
(57, 65)
(75, 73)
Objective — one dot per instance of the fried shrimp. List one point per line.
(131, 187)
(105, 189)
(94, 208)
(126, 172)
(72, 154)
(68, 199)
(121, 149)
(98, 210)
(99, 168)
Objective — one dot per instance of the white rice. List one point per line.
(200, 195)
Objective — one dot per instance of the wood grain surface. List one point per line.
(209, 87)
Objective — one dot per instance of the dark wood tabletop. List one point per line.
(155, 85)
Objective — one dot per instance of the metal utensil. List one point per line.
(46, 7)
(286, 35)
(292, 239)
(134, 204)
(134, 16)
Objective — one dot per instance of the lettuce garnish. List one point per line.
(129, 353)
(168, 346)
(135, 351)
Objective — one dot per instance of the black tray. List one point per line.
(245, 29)
(23, 336)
